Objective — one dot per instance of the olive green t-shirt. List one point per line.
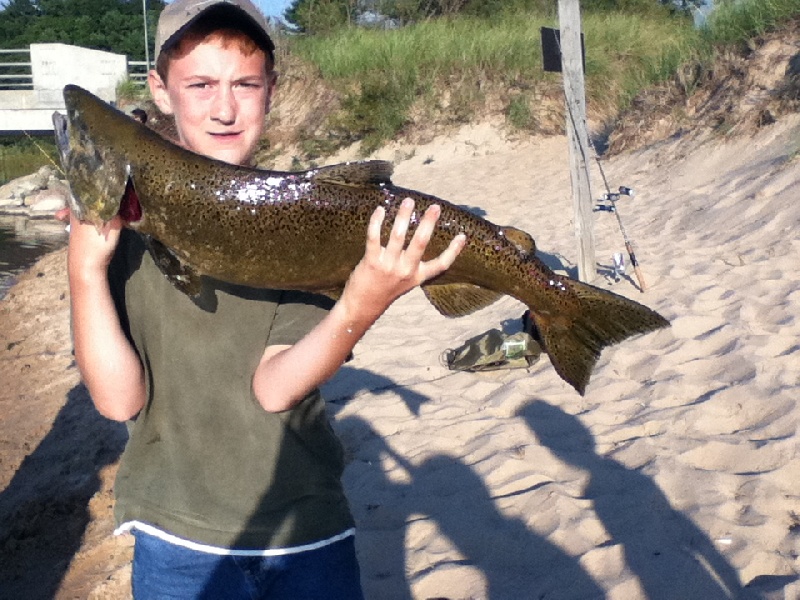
(204, 461)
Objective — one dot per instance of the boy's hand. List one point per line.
(386, 273)
(286, 374)
(90, 249)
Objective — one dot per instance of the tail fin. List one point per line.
(574, 342)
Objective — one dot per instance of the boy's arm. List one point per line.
(286, 374)
(109, 365)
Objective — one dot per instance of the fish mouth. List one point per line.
(130, 209)
(61, 130)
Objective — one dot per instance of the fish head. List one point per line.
(97, 172)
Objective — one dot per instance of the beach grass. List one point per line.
(22, 156)
(385, 74)
(739, 22)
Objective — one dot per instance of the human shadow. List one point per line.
(512, 558)
(451, 496)
(350, 381)
(664, 549)
(44, 510)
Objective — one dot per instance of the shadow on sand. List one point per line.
(449, 494)
(44, 510)
(669, 555)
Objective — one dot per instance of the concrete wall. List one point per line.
(53, 66)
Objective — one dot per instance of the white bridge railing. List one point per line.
(15, 69)
(16, 72)
(32, 81)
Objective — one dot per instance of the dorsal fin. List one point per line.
(521, 239)
(353, 173)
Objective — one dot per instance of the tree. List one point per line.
(321, 16)
(20, 8)
(110, 25)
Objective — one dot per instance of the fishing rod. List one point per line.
(612, 198)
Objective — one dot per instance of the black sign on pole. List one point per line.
(551, 50)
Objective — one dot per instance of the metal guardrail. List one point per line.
(16, 74)
(137, 71)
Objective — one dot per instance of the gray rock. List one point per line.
(39, 194)
(47, 202)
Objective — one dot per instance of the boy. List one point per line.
(230, 480)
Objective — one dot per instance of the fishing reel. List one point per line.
(608, 202)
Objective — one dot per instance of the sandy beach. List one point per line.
(676, 477)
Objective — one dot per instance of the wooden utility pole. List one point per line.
(569, 18)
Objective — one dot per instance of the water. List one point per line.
(22, 242)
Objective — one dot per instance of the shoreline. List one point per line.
(28, 241)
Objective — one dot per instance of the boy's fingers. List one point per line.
(423, 234)
(445, 260)
(374, 231)
(397, 239)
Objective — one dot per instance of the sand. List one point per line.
(677, 475)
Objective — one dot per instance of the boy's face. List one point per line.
(219, 98)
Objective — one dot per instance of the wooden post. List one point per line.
(569, 18)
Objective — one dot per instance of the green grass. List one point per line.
(383, 74)
(23, 156)
(427, 50)
(738, 22)
(628, 53)
(131, 90)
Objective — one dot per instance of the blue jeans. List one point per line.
(163, 570)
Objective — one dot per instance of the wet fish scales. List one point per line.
(306, 231)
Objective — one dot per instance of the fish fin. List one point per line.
(355, 173)
(333, 294)
(459, 299)
(522, 240)
(181, 275)
(603, 318)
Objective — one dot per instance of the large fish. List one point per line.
(306, 231)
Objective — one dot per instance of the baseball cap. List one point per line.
(178, 16)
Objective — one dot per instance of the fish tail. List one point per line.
(574, 339)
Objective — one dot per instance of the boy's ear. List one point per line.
(158, 90)
(272, 79)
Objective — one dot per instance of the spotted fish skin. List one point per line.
(306, 231)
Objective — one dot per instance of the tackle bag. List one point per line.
(495, 350)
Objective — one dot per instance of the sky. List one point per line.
(273, 8)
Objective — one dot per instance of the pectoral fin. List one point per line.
(459, 299)
(182, 275)
(333, 294)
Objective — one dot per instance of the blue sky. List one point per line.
(273, 8)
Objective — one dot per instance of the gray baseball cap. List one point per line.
(178, 16)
